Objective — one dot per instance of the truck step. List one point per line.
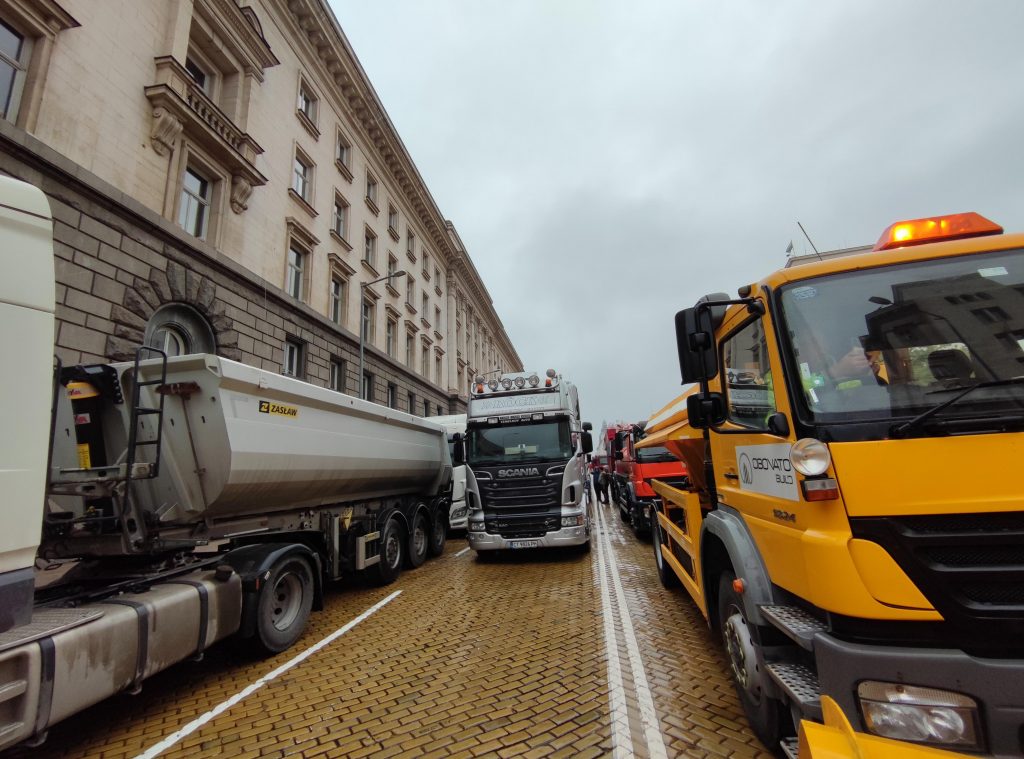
(795, 623)
(801, 685)
(46, 622)
(790, 747)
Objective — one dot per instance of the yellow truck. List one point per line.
(853, 524)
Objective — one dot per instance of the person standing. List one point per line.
(604, 482)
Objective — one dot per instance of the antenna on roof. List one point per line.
(809, 240)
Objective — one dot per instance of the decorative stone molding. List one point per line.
(241, 189)
(164, 134)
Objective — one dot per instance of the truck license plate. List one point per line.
(524, 544)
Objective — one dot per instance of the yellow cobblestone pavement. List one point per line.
(508, 657)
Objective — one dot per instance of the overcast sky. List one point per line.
(607, 163)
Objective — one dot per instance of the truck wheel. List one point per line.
(285, 601)
(665, 574)
(765, 714)
(438, 533)
(392, 551)
(419, 540)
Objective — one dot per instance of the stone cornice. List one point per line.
(243, 26)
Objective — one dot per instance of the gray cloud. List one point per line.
(608, 163)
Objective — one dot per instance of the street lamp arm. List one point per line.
(399, 273)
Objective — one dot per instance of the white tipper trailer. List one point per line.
(179, 502)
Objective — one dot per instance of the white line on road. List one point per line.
(222, 707)
(648, 714)
(622, 740)
(462, 552)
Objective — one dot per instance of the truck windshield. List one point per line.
(895, 341)
(654, 454)
(518, 443)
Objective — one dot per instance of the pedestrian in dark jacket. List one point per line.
(604, 482)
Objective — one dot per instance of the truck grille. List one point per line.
(524, 507)
(523, 525)
(970, 566)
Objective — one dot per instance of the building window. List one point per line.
(392, 267)
(295, 280)
(199, 75)
(437, 318)
(178, 329)
(410, 245)
(293, 359)
(426, 407)
(425, 362)
(437, 369)
(367, 388)
(367, 320)
(371, 191)
(337, 380)
(389, 337)
(339, 219)
(392, 395)
(337, 300)
(409, 347)
(343, 153)
(302, 177)
(437, 277)
(393, 221)
(194, 214)
(412, 402)
(426, 264)
(410, 291)
(370, 249)
(307, 103)
(426, 306)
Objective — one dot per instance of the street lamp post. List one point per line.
(362, 321)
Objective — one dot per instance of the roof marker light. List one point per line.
(935, 229)
(534, 380)
(493, 384)
(520, 383)
(506, 383)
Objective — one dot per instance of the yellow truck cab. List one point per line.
(854, 524)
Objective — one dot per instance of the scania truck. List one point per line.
(192, 490)
(853, 526)
(526, 449)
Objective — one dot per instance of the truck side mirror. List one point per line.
(618, 455)
(587, 426)
(695, 342)
(704, 410)
(458, 449)
(588, 441)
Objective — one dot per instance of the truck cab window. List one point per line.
(749, 391)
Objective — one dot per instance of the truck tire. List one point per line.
(419, 540)
(283, 607)
(438, 533)
(392, 553)
(767, 715)
(665, 574)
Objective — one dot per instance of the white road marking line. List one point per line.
(467, 548)
(648, 714)
(622, 740)
(222, 707)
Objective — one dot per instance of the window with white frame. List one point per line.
(295, 277)
(293, 358)
(392, 267)
(194, 210)
(370, 248)
(367, 387)
(371, 189)
(367, 314)
(425, 361)
(343, 151)
(410, 244)
(410, 290)
(307, 102)
(425, 313)
(337, 300)
(393, 220)
(200, 74)
(339, 219)
(390, 332)
(426, 264)
(302, 177)
(337, 380)
(412, 402)
(410, 345)
(392, 395)
(437, 369)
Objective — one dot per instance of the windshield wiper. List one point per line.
(901, 429)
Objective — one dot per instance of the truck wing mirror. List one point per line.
(588, 442)
(458, 449)
(704, 410)
(618, 455)
(587, 426)
(695, 342)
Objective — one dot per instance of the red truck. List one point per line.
(633, 471)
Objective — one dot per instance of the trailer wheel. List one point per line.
(746, 660)
(392, 553)
(285, 601)
(419, 540)
(665, 574)
(438, 533)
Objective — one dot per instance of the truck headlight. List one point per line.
(575, 521)
(477, 526)
(920, 715)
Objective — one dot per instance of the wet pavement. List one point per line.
(535, 654)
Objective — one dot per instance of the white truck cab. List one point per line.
(455, 424)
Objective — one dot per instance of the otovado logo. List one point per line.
(528, 472)
(746, 470)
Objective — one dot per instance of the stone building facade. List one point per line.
(224, 178)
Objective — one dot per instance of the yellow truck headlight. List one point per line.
(920, 715)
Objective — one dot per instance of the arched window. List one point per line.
(178, 329)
